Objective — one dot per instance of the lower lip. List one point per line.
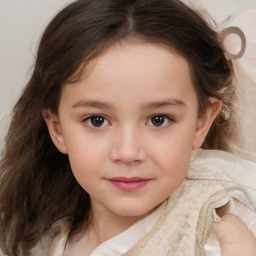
(129, 186)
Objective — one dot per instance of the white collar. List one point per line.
(121, 243)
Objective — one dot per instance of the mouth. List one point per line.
(129, 184)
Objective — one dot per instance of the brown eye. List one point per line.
(96, 121)
(159, 121)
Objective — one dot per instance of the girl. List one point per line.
(102, 155)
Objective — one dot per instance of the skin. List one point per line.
(234, 236)
(146, 124)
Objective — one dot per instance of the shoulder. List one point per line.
(45, 244)
(224, 176)
(220, 165)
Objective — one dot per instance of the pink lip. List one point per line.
(129, 184)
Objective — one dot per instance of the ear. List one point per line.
(54, 129)
(205, 121)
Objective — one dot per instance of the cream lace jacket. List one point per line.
(183, 226)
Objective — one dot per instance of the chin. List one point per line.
(133, 211)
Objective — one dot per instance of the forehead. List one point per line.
(136, 70)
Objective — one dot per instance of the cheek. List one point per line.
(172, 158)
(175, 166)
(174, 173)
(174, 149)
(86, 160)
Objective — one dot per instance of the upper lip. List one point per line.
(128, 179)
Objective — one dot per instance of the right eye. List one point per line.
(96, 121)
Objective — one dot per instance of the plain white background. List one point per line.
(21, 24)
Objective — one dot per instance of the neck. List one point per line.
(106, 225)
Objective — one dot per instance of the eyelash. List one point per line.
(166, 117)
(88, 120)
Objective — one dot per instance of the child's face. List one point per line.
(129, 126)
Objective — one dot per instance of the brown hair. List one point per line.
(37, 186)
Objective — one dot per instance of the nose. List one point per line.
(128, 147)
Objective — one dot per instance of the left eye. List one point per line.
(97, 121)
(159, 121)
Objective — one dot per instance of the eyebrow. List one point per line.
(172, 102)
(91, 103)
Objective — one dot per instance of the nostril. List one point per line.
(128, 154)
